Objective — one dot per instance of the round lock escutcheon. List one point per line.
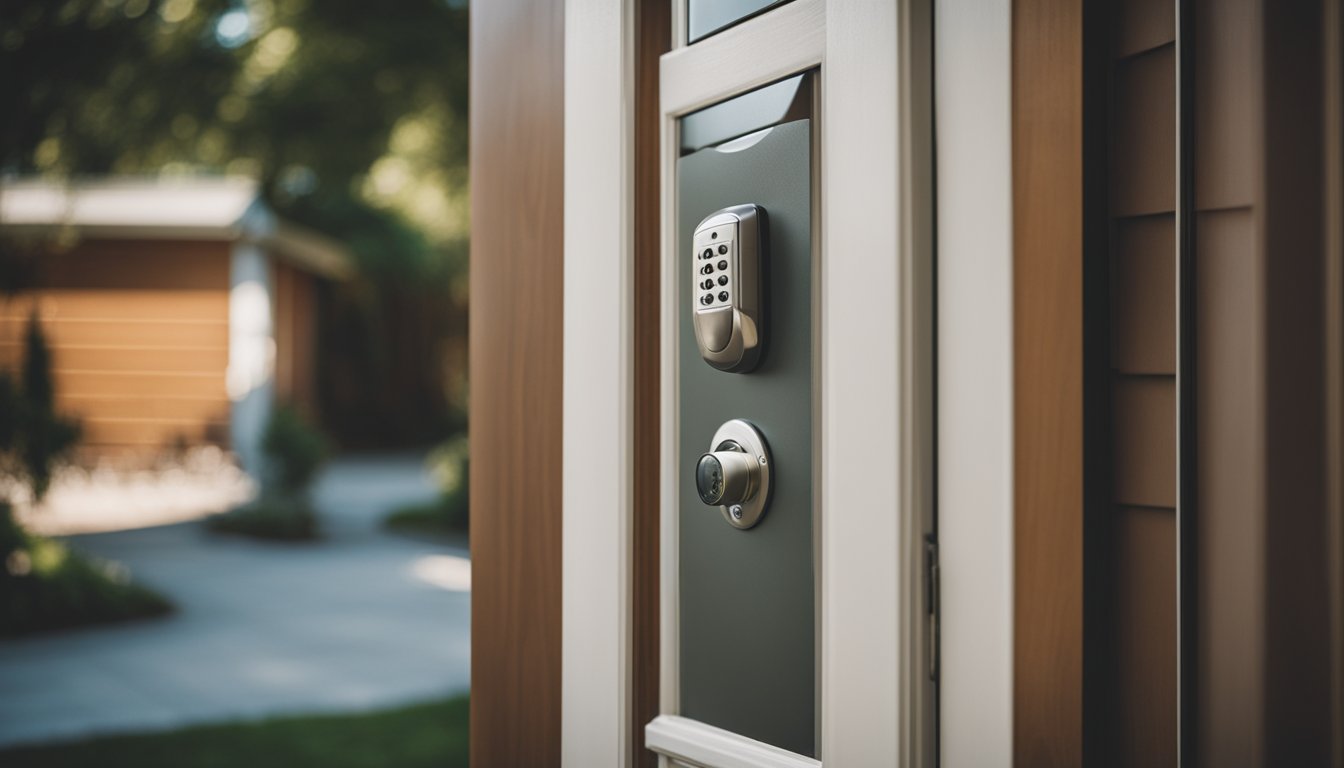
(735, 474)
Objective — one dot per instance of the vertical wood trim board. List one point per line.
(1047, 125)
(1333, 100)
(1264, 636)
(517, 146)
(1297, 702)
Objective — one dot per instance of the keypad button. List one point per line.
(708, 298)
(707, 269)
(723, 265)
(723, 280)
(723, 295)
(709, 252)
(723, 249)
(707, 285)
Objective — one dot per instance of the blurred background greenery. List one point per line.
(351, 115)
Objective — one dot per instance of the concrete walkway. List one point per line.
(363, 619)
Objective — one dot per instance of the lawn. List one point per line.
(433, 734)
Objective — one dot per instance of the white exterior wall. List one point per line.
(250, 377)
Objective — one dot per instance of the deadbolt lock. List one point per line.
(735, 474)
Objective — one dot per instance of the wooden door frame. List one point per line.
(1333, 154)
(1048, 382)
(515, 362)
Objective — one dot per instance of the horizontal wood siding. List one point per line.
(139, 336)
(1140, 693)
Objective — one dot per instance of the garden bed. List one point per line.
(44, 586)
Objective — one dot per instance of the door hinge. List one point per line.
(932, 602)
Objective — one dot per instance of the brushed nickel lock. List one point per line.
(735, 474)
(728, 272)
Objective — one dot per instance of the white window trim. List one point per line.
(875, 319)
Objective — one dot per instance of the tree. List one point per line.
(279, 86)
(33, 436)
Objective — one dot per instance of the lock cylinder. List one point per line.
(734, 475)
(727, 476)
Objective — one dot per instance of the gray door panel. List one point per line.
(747, 602)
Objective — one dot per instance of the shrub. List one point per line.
(283, 518)
(450, 513)
(44, 586)
(296, 451)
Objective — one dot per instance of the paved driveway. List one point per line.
(363, 619)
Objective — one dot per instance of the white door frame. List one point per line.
(875, 363)
(598, 383)
(973, 102)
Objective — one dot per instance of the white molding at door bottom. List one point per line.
(691, 741)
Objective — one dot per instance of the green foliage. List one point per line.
(354, 118)
(279, 518)
(296, 451)
(10, 407)
(430, 735)
(450, 513)
(34, 438)
(126, 86)
(44, 586)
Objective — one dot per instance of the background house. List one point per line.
(179, 312)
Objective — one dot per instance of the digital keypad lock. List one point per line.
(728, 296)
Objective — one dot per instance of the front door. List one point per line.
(797, 373)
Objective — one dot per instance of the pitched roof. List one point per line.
(200, 204)
(205, 208)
